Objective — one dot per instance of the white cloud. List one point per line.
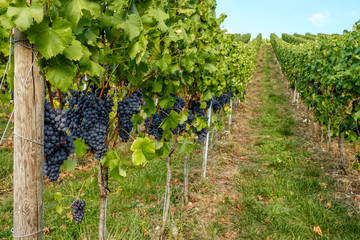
(320, 19)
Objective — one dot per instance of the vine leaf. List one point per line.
(23, 16)
(74, 51)
(69, 165)
(57, 198)
(132, 26)
(112, 161)
(186, 147)
(143, 150)
(52, 39)
(163, 151)
(60, 72)
(73, 10)
(184, 116)
(80, 147)
(161, 16)
(171, 121)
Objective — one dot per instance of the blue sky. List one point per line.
(292, 16)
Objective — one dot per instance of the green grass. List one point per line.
(294, 190)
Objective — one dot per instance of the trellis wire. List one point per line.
(27, 235)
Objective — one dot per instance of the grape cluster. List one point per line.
(153, 122)
(219, 102)
(78, 207)
(88, 118)
(128, 107)
(201, 135)
(195, 107)
(215, 105)
(57, 145)
(178, 106)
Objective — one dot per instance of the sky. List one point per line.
(292, 16)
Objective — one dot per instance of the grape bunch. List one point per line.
(78, 207)
(128, 107)
(201, 135)
(57, 145)
(153, 122)
(215, 105)
(195, 107)
(224, 99)
(178, 107)
(219, 102)
(88, 118)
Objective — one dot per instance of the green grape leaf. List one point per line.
(80, 147)
(57, 197)
(211, 68)
(73, 9)
(94, 68)
(134, 50)
(163, 151)
(160, 15)
(60, 72)
(112, 161)
(23, 16)
(171, 121)
(50, 40)
(69, 165)
(157, 85)
(4, 4)
(158, 145)
(184, 116)
(109, 159)
(91, 35)
(143, 150)
(117, 173)
(186, 147)
(132, 26)
(59, 208)
(74, 51)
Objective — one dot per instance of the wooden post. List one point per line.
(28, 141)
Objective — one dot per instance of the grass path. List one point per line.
(263, 182)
